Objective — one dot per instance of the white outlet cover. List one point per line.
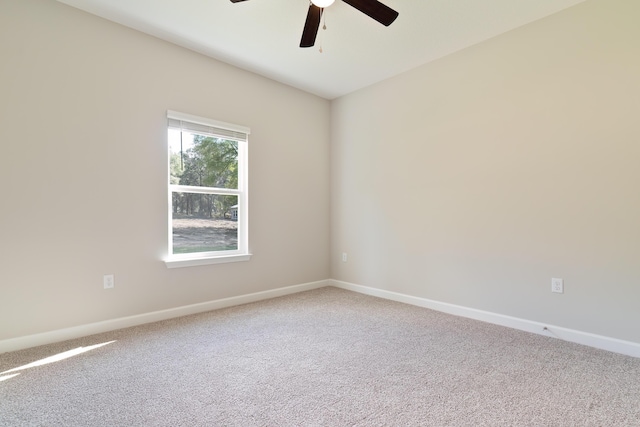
(557, 285)
(108, 281)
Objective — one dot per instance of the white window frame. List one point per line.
(205, 126)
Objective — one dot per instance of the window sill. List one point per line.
(193, 261)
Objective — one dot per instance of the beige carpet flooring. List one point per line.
(326, 357)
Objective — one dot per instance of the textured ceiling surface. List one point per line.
(263, 36)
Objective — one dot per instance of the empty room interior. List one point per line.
(496, 182)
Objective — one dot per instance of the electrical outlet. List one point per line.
(344, 257)
(557, 285)
(108, 281)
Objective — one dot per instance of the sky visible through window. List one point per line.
(174, 140)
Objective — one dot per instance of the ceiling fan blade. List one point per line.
(311, 26)
(237, 1)
(374, 9)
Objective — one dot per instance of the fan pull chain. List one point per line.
(324, 27)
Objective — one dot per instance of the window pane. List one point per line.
(202, 161)
(204, 222)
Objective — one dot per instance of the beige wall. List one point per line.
(472, 180)
(475, 179)
(83, 152)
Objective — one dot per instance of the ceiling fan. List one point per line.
(372, 8)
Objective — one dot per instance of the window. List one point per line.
(207, 173)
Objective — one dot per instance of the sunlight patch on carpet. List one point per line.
(52, 359)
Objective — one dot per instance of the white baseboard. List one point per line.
(598, 341)
(34, 340)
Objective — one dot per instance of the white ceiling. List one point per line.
(262, 36)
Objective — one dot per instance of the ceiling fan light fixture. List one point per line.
(322, 3)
